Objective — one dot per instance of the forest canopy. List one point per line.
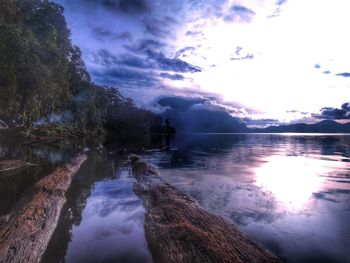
(43, 79)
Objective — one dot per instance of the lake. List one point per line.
(289, 192)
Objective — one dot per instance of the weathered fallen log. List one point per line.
(178, 230)
(27, 230)
(7, 165)
(10, 167)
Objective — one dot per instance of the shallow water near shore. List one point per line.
(290, 193)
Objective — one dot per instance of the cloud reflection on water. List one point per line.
(111, 229)
(291, 179)
(291, 193)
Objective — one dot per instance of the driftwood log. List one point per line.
(178, 230)
(9, 167)
(26, 231)
(43, 140)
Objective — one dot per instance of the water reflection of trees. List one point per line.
(95, 169)
(46, 156)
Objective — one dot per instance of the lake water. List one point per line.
(290, 193)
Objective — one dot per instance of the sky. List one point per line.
(264, 61)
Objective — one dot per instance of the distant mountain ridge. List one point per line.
(185, 118)
(191, 115)
(325, 126)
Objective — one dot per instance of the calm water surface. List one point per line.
(103, 218)
(291, 193)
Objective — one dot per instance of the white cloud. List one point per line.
(286, 46)
(281, 76)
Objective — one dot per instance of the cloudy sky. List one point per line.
(260, 60)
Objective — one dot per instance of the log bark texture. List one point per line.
(178, 230)
(27, 230)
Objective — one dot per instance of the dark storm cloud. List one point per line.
(145, 44)
(129, 78)
(125, 6)
(194, 114)
(130, 38)
(171, 64)
(344, 74)
(134, 61)
(183, 50)
(123, 36)
(137, 6)
(172, 76)
(156, 29)
(197, 101)
(105, 34)
(105, 58)
(100, 32)
(335, 113)
(160, 27)
(239, 13)
(137, 70)
(153, 60)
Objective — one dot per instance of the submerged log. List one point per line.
(11, 165)
(27, 230)
(43, 140)
(178, 230)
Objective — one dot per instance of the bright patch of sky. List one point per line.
(262, 59)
